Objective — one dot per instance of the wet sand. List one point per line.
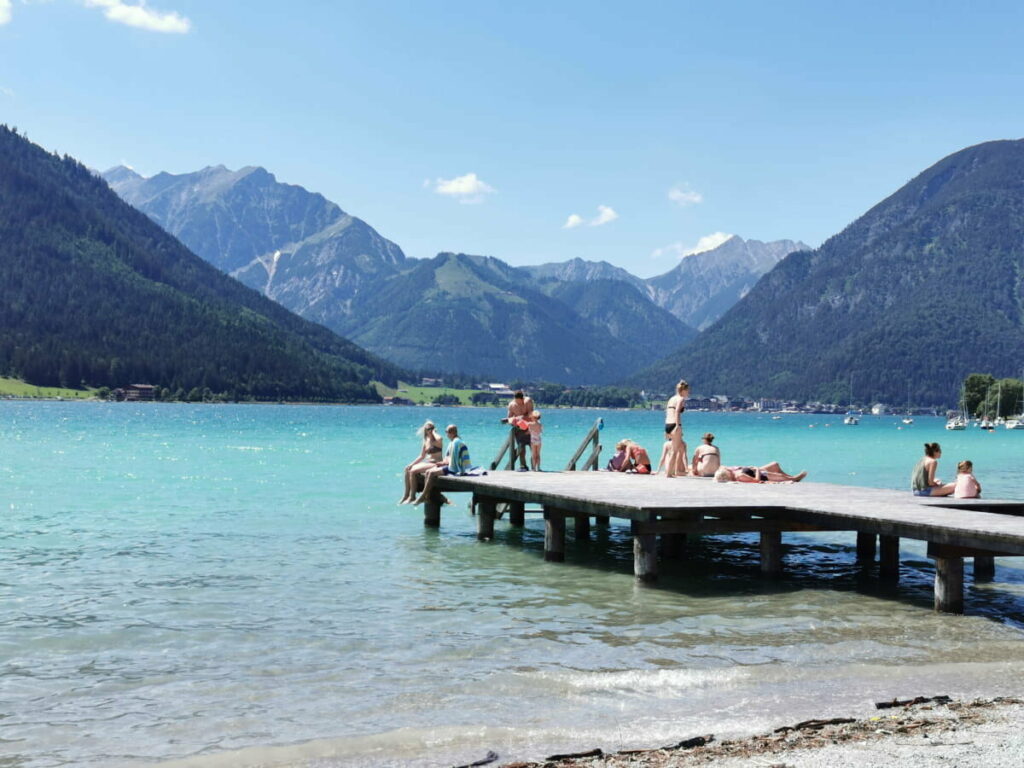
(967, 734)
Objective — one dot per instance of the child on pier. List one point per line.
(535, 431)
(967, 487)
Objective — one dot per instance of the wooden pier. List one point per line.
(671, 508)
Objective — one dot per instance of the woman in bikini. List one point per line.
(769, 473)
(430, 457)
(706, 458)
(675, 463)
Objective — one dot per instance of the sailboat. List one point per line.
(1017, 422)
(959, 421)
(851, 418)
(908, 419)
(987, 423)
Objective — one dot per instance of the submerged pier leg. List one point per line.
(432, 510)
(889, 558)
(949, 584)
(645, 553)
(582, 527)
(554, 535)
(866, 548)
(516, 515)
(486, 510)
(602, 520)
(771, 553)
(984, 568)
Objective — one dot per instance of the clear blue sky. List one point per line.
(769, 120)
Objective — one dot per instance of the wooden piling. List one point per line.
(554, 535)
(516, 515)
(582, 527)
(771, 553)
(984, 568)
(486, 510)
(949, 584)
(866, 547)
(645, 552)
(889, 558)
(432, 510)
(602, 521)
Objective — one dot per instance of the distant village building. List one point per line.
(398, 401)
(139, 392)
(427, 382)
(879, 409)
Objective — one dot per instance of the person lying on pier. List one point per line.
(922, 479)
(769, 473)
(967, 487)
(706, 458)
(430, 457)
(457, 462)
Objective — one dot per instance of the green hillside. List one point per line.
(924, 288)
(92, 292)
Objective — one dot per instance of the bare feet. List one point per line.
(801, 476)
(420, 500)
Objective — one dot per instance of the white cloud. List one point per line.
(682, 195)
(680, 250)
(5, 11)
(605, 213)
(141, 16)
(466, 189)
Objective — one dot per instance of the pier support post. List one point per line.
(984, 568)
(516, 515)
(889, 558)
(645, 554)
(582, 527)
(771, 553)
(486, 509)
(554, 535)
(672, 545)
(949, 584)
(432, 510)
(602, 520)
(866, 548)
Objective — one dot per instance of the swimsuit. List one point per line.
(762, 477)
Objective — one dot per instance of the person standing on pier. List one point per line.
(519, 411)
(675, 464)
(922, 479)
(536, 430)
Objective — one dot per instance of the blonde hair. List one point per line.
(723, 475)
(965, 466)
(682, 386)
(428, 426)
(621, 445)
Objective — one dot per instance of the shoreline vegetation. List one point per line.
(917, 733)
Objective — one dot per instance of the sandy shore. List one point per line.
(985, 733)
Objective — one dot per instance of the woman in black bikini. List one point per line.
(675, 463)
(769, 473)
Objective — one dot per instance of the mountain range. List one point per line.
(923, 289)
(93, 292)
(576, 322)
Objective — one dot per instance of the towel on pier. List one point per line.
(458, 459)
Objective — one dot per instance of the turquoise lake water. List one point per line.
(234, 585)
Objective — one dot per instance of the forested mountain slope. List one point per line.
(92, 291)
(924, 288)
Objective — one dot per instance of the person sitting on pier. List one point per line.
(457, 462)
(635, 458)
(967, 486)
(706, 458)
(922, 479)
(769, 473)
(430, 457)
(617, 462)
